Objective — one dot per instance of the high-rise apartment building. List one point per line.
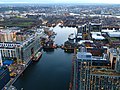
(94, 73)
(104, 79)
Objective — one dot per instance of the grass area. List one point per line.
(18, 22)
(23, 24)
(114, 39)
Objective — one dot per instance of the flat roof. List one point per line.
(95, 32)
(95, 23)
(97, 36)
(79, 36)
(114, 34)
(88, 56)
(105, 71)
(83, 41)
(108, 30)
(84, 55)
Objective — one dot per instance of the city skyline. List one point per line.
(61, 1)
(59, 45)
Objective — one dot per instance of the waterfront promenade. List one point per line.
(21, 67)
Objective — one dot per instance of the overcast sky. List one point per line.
(61, 1)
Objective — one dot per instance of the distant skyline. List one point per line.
(61, 1)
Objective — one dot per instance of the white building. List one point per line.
(97, 36)
(20, 51)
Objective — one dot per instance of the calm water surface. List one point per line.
(63, 33)
(53, 70)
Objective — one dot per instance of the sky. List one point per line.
(61, 1)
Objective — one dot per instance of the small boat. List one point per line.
(49, 45)
(71, 36)
(11, 88)
(37, 56)
(61, 25)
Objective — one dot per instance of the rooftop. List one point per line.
(108, 30)
(97, 36)
(114, 34)
(105, 71)
(83, 41)
(95, 23)
(84, 55)
(9, 30)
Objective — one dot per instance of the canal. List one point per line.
(53, 70)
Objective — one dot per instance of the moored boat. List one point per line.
(37, 56)
(71, 36)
